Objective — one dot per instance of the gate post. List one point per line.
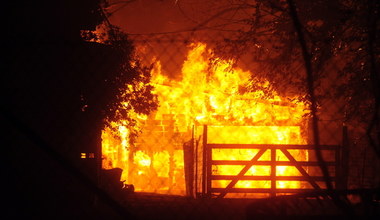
(204, 163)
(273, 171)
(345, 153)
(342, 158)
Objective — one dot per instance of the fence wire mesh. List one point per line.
(205, 125)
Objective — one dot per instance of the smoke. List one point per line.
(149, 16)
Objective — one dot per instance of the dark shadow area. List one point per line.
(53, 87)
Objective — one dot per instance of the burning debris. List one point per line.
(239, 107)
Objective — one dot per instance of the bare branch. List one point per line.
(217, 15)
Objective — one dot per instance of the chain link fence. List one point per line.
(230, 138)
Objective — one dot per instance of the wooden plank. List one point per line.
(300, 169)
(263, 190)
(196, 164)
(242, 190)
(204, 161)
(268, 163)
(241, 173)
(278, 178)
(275, 146)
(338, 170)
(344, 159)
(273, 171)
(209, 170)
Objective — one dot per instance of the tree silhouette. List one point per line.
(342, 38)
(56, 87)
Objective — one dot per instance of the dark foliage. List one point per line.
(61, 88)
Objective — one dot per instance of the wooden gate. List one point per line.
(307, 169)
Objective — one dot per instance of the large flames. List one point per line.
(239, 108)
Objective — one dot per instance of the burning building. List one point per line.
(213, 103)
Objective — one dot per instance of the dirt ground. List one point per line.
(155, 206)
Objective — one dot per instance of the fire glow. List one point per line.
(211, 92)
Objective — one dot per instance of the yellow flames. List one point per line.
(211, 92)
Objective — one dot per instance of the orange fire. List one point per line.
(211, 92)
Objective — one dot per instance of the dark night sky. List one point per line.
(155, 16)
(150, 16)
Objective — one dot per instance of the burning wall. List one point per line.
(211, 91)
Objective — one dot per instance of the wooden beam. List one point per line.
(263, 190)
(273, 171)
(274, 146)
(204, 161)
(344, 162)
(268, 163)
(300, 169)
(209, 170)
(241, 173)
(278, 178)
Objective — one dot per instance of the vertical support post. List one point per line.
(197, 176)
(188, 153)
(195, 143)
(204, 161)
(338, 167)
(341, 160)
(273, 171)
(345, 154)
(209, 170)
